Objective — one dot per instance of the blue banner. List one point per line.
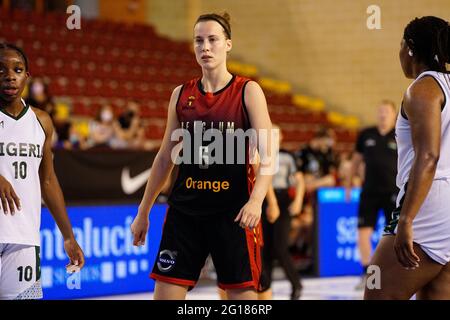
(337, 227)
(113, 264)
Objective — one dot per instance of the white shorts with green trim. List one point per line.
(431, 226)
(20, 272)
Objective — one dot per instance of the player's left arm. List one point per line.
(422, 104)
(52, 193)
(256, 104)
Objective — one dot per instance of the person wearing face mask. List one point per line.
(39, 96)
(130, 129)
(103, 129)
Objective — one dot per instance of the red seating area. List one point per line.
(110, 62)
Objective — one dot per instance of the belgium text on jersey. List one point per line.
(205, 147)
(14, 149)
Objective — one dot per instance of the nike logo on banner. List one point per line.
(131, 185)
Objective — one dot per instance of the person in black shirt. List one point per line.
(377, 149)
(316, 162)
(131, 130)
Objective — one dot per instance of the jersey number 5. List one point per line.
(204, 158)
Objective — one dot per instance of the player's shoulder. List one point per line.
(426, 89)
(250, 85)
(44, 119)
(176, 91)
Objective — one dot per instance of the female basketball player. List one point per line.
(26, 171)
(414, 256)
(201, 219)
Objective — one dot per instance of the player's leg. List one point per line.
(281, 248)
(267, 252)
(20, 273)
(181, 256)
(266, 294)
(222, 294)
(367, 217)
(364, 244)
(242, 294)
(438, 288)
(169, 291)
(397, 283)
(236, 253)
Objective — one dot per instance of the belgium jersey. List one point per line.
(21, 148)
(216, 179)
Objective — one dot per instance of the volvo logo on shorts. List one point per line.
(166, 260)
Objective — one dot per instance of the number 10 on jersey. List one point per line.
(20, 170)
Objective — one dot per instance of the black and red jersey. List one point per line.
(203, 187)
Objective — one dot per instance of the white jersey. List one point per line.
(404, 141)
(432, 223)
(21, 148)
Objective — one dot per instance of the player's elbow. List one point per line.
(430, 160)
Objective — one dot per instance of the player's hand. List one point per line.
(404, 248)
(249, 215)
(139, 228)
(272, 213)
(8, 197)
(295, 208)
(75, 255)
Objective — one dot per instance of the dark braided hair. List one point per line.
(429, 39)
(223, 20)
(9, 46)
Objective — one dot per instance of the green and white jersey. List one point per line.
(21, 148)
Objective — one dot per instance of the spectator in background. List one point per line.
(131, 130)
(376, 148)
(39, 96)
(276, 231)
(317, 163)
(70, 139)
(104, 130)
(28, 5)
(345, 176)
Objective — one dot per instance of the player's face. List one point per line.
(405, 59)
(210, 44)
(13, 75)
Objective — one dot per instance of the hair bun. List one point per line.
(226, 16)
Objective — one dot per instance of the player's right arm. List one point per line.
(8, 197)
(161, 168)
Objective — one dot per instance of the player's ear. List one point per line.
(229, 45)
